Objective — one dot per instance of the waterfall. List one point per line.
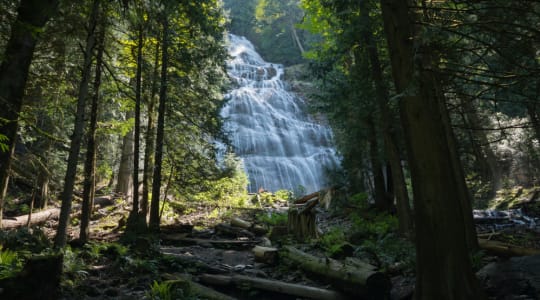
(281, 146)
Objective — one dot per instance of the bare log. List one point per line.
(37, 218)
(273, 286)
(308, 206)
(186, 284)
(503, 249)
(306, 198)
(266, 255)
(358, 280)
(231, 231)
(43, 216)
(257, 229)
(227, 244)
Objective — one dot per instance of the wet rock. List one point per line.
(517, 277)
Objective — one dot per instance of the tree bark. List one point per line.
(385, 119)
(137, 222)
(274, 286)
(506, 250)
(382, 202)
(266, 255)
(89, 186)
(150, 139)
(124, 184)
(156, 184)
(444, 268)
(31, 17)
(358, 280)
(75, 147)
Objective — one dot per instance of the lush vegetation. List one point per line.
(433, 104)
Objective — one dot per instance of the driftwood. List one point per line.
(257, 229)
(266, 255)
(502, 249)
(273, 286)
(358, 279)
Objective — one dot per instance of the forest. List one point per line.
(270, 149)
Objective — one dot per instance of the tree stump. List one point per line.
(301, 224)
(39, 279)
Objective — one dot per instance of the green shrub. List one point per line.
(10, 263)
(376, 227)
(333, 240)
(389, 252)
(33, 240)
(272, 218)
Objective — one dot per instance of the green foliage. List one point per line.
(378, 227)
(10, 263)
(271, 25)
(333, 240)
(160, 291)
(477, 259)
(166, 290)
(272, 218)
(359, 200)
(284, 195)
(231, 189)
(389, 252)
(74, 265)
(3, 146)
(33, 240)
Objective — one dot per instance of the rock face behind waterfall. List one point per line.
(281, 146)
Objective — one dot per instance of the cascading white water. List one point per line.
(281, 146)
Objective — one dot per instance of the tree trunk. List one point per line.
(150, 141)
(137, 222)
(89, 187)
(390, 139)
(493, 171)
(31, 17)
(444, 268)
(124, 184)
(359, 280)
(156, 185)
(382, 202)
(274, 286)
(75, 147)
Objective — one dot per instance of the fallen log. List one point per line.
(230, 231)
(306, 198)
(273, 286)
(257, 229)
(266, 255)
(308, 206)
(36, 218)
(191, 288)
(191, 261)
(43, 216)
(506, 250)
(181, 239)
(359, 280)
